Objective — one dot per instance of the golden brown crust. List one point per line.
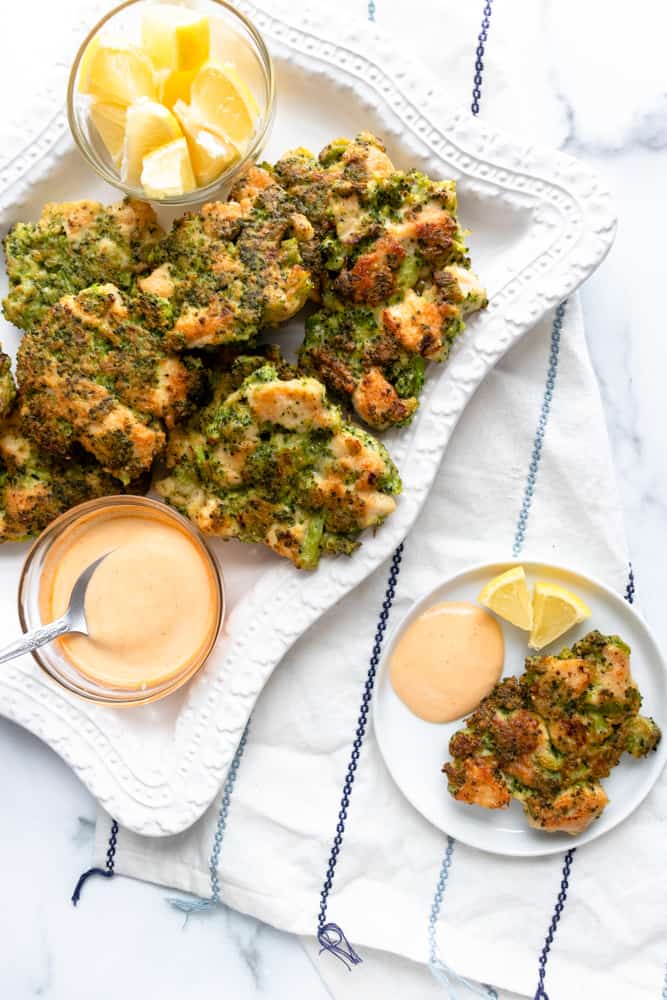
(377, 402)
(552, 735)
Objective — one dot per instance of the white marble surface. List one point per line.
(604, 83)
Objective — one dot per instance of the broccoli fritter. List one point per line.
(93, 374)
(548, 738)
(395, 278)
(7, 387)
(225, 272)
(274, 462)
(71, 246)
(35, 489)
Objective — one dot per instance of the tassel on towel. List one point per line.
(450, 980)
(333, 940)
(189, 906)
(76, 895)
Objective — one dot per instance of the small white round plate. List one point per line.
(414, 751)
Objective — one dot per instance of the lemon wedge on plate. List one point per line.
(148, 126)
(223, 103)
(555, 611)
(109, 120)
(116, 72)
(210, 154)
(167, 171)
(507, 595)
(175, 37)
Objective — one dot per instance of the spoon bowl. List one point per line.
(73, 620)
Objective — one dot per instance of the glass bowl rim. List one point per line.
(200, 193)
(121, 697)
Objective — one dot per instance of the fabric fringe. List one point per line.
(104, 872)
(333, 940)
(189, 906)
(450, 980)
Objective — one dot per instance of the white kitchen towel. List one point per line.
(495, 913)
(284, 807)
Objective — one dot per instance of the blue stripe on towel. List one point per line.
(538, 442)
(330, 936)
(109, 867)
(446, 976)
(540, 993)
(437, 967)
(193, 905)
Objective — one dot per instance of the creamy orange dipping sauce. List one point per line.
(152, 606)
(447, 660)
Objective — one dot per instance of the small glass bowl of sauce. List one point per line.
(154, 606)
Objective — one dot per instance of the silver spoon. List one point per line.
(74, 619)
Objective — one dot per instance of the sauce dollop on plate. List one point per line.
(447, 660)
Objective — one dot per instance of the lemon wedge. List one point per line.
(555, 611)
(174, 85)
(507, 595)
(175, 37)
(167, 171)
(148, 126)
(223, 103)
(210, 154)
(245, 92)
(109, 120)
(116, 72)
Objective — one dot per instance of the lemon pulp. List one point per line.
(555, 611)
(507, 595)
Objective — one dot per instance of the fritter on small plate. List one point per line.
(74, 245)
(395, 277)
(548, 737)
(35, 489)
(93, 374)
(225, 272)
(274, 462)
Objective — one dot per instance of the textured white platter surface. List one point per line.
(541, 223)
(414, 751)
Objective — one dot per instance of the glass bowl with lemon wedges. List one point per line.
(169, 101)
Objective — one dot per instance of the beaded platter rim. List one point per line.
(577, 222)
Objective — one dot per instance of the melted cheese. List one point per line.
(297, 404)
(158, 282)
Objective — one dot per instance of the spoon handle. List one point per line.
(33, 640)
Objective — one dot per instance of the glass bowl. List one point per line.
(234, 38)
(52, 659)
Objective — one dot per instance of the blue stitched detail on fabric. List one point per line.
(371, 10)
(482, 39)
(330, 936)
(538, 442)
(630, 598)
(540, 993)
(192, 905)
(106, 872)
(443, 973)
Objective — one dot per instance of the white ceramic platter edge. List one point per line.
(541, 222)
